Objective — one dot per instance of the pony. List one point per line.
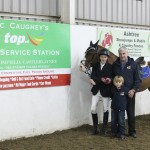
(92, 56)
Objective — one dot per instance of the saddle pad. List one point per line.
(145, 72)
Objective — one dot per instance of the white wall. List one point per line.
(30, 112)
(142, 105)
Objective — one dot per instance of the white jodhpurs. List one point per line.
(96, 98)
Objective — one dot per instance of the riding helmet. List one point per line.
(104, 51)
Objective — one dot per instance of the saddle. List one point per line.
(144, 68)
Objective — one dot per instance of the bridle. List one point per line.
(87, 69)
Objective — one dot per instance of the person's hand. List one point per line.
(103, 79)
(92, 82)
(107, 81)
(131, 93)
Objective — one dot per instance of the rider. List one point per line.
(100, 79)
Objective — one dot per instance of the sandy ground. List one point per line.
(80, 139)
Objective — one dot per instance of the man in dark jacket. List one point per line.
(126, 67)
(100, 79)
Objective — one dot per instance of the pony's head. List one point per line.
(91, 56)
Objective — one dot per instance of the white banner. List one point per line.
(136, 41)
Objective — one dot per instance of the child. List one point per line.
(101, 79)
(118, 107)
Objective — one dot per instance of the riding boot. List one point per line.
(105, 122)
(95, 124)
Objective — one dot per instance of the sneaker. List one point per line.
(103, 132)
(121, 137)
(133, 135)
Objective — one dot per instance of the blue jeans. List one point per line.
(117, 122)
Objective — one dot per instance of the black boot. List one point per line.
(95, 124)
(105, 122)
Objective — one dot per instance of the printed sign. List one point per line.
(34, 54)
(136, 41)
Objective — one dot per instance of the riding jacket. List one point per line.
(97, 74)
(130, 72)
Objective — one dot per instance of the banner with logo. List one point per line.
(34, 54)
(136, 41)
